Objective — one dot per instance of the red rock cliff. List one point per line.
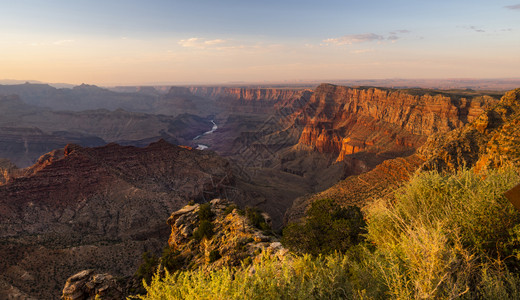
(346, 120)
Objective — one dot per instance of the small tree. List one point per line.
(328, 228)
(148, 267)
(205, 212)
(205, 229)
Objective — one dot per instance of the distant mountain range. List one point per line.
(431, 83)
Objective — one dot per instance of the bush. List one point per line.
(445, 236)
(229, 209)
(214, 255)
(170, 259)
(297, 278)
(256, 219)
(205, 212)
(328, 228)
(147, 268)
(205, 229)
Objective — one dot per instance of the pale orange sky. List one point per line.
(173, 42)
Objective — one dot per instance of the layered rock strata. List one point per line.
(491, 140)
(96, 208)
(346, 120)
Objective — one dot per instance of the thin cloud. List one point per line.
(63, 42)
(226, 45)
(200, 43)
(513, 7)
(393, 36)
(402, 31)
(361, 51)
(214, 42)
(55, 43)
(476, 29)
(354, 39)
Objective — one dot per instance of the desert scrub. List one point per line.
(445, 236)
(327, 228)
(300, 277)
(256, 219)
(205, 212)
(148, 267)
(205, 230)
(441, 237)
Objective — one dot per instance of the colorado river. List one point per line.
(202, 146)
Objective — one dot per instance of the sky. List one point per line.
(129, 42)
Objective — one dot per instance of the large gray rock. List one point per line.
(87, 285)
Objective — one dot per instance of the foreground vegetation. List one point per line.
(439, 237)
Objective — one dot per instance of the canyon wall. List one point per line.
(242, 100)
(238, 93)
(346, 120)
(79, 208)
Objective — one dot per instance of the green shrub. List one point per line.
(214, 255)
(328, 228)
(170, 259)
(268, 278)
(205, 212)
(205, 229)
(247, 261)
(256, 219)
(147, 268)
(229, 209)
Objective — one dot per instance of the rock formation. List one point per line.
(374, 128)
(491, 140)
(346, 120)
(235, 238)
(86, 285)
(27, 132)
(96, 208)
(234, 241)
(84, 208)
(360, 189)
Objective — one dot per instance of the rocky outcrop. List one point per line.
(81, 208)
(235, 238)
(491, 140)
(86, 285)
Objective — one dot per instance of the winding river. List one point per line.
(202, 146)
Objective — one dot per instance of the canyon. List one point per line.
(70, 201)
(79, 208)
